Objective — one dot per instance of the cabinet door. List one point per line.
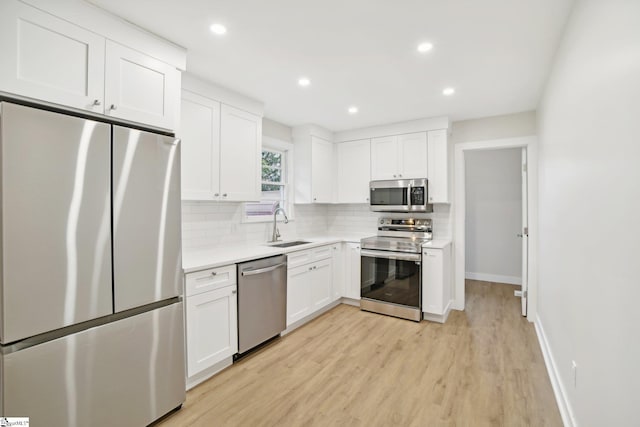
(321, 170)
(432, 281)
(200, 135)
(49, 59)
(413, 155)
(338, 271)
(352, 271)
(212, 331)
(321, 286)
(438, 167)
(140, 88)
(240, 155)
(354, 171)
(298, 292)
(384, 158)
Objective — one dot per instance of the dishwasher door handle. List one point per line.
(254, 271)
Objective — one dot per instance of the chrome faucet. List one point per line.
(276, 233)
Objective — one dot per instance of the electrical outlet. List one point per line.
(574, 371)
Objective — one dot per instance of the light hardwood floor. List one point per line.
(353, 368)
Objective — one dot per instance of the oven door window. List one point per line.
(388, 196)
(389, 280)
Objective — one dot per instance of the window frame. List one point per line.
(269, 143)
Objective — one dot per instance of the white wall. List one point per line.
(493, 193)
(494, 127)
(589, 274)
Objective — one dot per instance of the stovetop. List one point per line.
(400, 235)
(394, 244)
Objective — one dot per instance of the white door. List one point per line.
(50, 59)
(240, 155)
(384, 158)
(525, 234)
(200, 135)
(354, 171)
(321, 288)
(337, 258)
(298, 292)
(432, 281)
(413, 155)
(140, 88)
(212, 328)
(321, 170)
(352, 271)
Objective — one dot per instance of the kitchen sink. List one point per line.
(289, 244)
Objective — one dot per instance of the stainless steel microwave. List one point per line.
(399, 195)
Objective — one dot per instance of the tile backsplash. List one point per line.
(208, 224)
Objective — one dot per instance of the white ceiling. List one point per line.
(496, 53)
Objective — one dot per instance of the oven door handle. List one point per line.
(391, 255)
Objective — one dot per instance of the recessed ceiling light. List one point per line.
(448, 91)
(424, 47)
(352, 110)
(218, 29)
(303, 81)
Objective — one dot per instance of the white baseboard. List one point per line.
(556, 383)
(310, 317)
(497, 278)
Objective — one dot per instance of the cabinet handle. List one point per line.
(314, 199)
(367, 199)
(400, 175)
(394, 175)
(96, 102)
(310, 268)
(217, 194)
(113, 107)
(224, 195)
(430, 198)
(234, 292)
(213, 273)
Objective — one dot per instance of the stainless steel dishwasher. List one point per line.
(262, 301)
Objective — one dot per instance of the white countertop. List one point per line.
(204, 258)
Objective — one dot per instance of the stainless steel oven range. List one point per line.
(391, 267)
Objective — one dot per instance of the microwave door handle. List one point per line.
(409, 196)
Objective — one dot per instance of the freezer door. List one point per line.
(146, 218)
(56, 219)
(126, 373)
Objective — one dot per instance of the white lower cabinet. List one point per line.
(352, 271)
(338, 270)
(212, 318)
(436, 283)
(310, 285)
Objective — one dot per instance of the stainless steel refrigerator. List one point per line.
(91, 318)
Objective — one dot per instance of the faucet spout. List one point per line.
(276, 233)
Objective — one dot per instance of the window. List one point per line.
(275, 184)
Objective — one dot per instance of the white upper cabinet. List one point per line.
(399, 156)
(50, 59)
(47, 58)
(354, 171)
(321, 170)
(413, 155)
(384, 158)
(314, 168)
(240, 155)
(200, 135)
(439, 172)
(221, 148)
(140, 88)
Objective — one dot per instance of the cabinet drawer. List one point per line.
(209, 280)
(323, 252)
(298, 258)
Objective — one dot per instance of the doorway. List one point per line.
(494, 220)
(505, 211)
